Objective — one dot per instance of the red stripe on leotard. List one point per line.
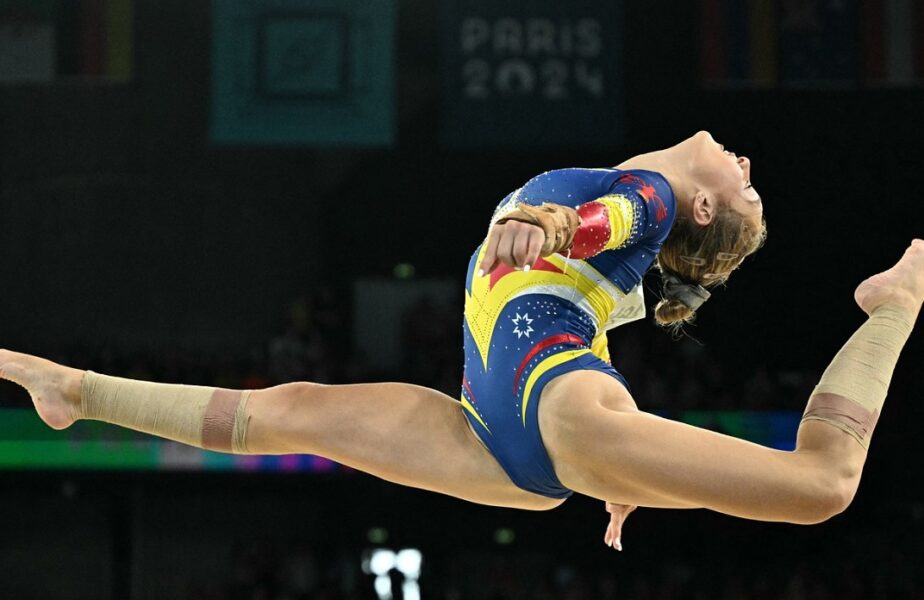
(468, 389)
(594, 233)
(502, 270)
(563, 338)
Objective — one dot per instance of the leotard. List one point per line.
(523, 329)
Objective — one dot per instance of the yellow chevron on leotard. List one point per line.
(549, 363)
(484, 304)
(622, 219)
(471, 410)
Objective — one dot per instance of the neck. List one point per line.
(669, 164)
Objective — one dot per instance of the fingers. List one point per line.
(536, 240)
(514, 244)
(490, 254)
(618, 515)
(505, 246)
(612, 536)
(615, 532)
(520, 251)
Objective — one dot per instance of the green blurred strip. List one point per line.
(25, 425)
(69, 454)
(27, 443)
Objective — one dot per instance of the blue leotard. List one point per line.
(523, 329)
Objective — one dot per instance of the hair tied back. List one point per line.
(691, 295)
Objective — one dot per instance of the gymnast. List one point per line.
(543, 413)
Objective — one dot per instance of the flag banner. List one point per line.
(818, 43)
(739, 42)
(47, 40)
(892, 41)
(302, 72)
(531, 73)
(811, 43)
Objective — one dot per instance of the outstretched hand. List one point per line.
(618, 515)
(515, 244)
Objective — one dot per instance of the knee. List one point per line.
(297, 391)
(277, 404)
(829, 496)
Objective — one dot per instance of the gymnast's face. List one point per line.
(720, 177)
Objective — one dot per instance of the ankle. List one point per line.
(72, 389)
(902, 311)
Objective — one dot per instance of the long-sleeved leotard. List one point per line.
(523, 329)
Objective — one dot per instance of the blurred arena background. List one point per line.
(248, 192)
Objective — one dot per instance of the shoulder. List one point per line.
(568, 187)
(652, 189)
(579, 176)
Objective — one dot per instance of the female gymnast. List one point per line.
(562, 264)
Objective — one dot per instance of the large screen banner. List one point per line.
(303, 72)
(531, 73)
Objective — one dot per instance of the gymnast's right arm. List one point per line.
(520, 236)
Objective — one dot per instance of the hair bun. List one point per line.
(672, 312)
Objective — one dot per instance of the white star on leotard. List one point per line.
(522, 320)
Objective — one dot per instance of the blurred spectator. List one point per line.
(295, 355)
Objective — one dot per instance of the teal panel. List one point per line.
(306, 72)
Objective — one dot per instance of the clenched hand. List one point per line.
(515, 244)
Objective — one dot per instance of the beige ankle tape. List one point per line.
(853, 388)
(211, 418)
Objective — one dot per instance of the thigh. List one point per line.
(631, 457)
(403, 433)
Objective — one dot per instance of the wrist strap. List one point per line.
(558, 222)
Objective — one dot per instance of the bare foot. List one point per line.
(55, 389)
(902, 285)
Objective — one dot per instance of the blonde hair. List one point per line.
(704, 256)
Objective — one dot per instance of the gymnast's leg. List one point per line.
(402, 433)
(633, 458)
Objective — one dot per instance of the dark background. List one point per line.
(127, 239)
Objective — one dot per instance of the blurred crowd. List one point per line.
(872, 569)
